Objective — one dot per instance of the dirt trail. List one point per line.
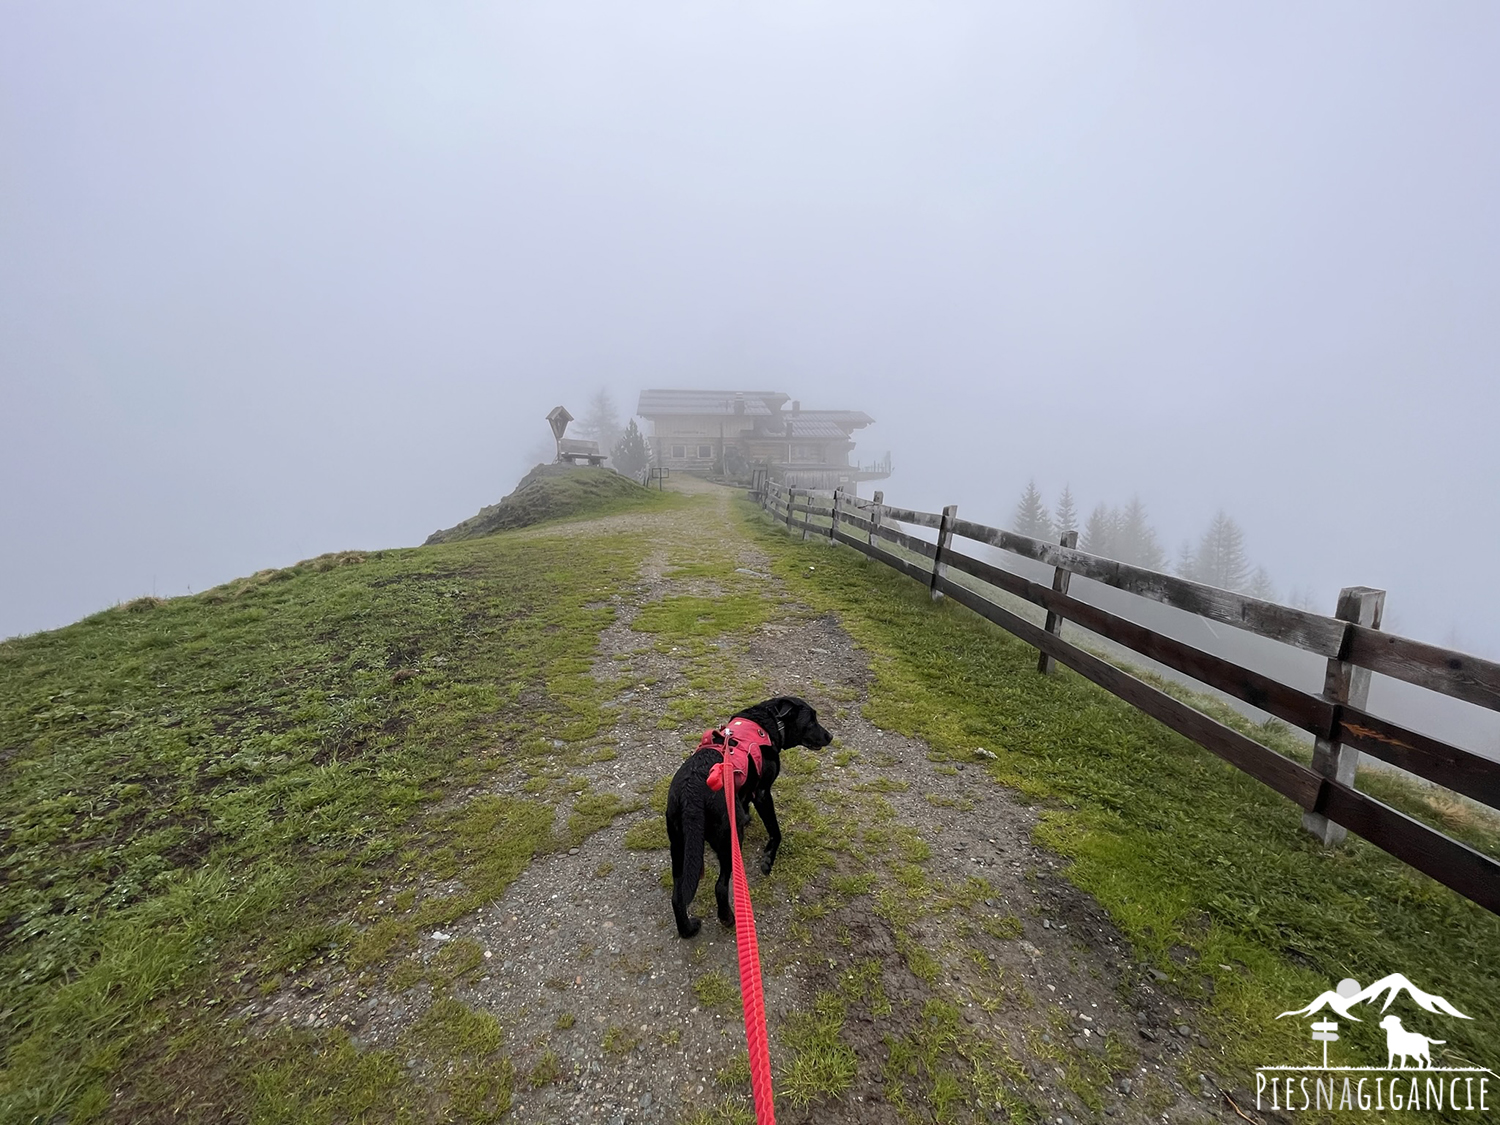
(598, 994)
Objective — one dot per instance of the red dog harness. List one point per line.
(747, 741)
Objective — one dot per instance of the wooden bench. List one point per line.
(574, 450)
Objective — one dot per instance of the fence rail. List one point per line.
(1337, 719)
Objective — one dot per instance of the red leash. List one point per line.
(751, 995)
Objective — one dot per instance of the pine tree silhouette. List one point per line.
(1032, 518)
(1260, 585)
(1220, 560)
(600, 422)
(1187, 561)
(630, 455)
(1138, 543)
(1066, 519)
(1099, 532)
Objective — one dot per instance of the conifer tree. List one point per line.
(1032, 518)
(630, 455)
(1187, 561)
(600, 422)
(1066, 519)
(1301, 597)
(1260, 586)
(1098, 532)
(1137, 538)
(1220, 559)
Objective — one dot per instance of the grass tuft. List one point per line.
(647, 834)
(714, 991)
(820, 1064)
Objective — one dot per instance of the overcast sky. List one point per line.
(280, 280)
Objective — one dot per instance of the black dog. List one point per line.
(696, 813)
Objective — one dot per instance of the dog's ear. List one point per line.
(802, 721)
(788, 705)
(783, 709)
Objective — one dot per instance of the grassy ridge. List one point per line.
(202, 797)
(551, 492)
(1206, 870)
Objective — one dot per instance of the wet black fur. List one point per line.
(696, 813)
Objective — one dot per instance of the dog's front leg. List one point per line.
(721, 895)
(723, 849)
(767, 809)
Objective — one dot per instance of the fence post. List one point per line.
(791, 494)
(945, 537)
(806, 516)
(833, 528)
(1343, 685)
(1044, 663)
(876, 514)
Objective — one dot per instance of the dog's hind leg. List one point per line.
(687, 870)
(767, 809)
(674, 840)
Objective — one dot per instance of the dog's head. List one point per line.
(798, 722)
(1392, 1023)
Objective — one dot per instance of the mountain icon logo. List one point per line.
(1348, 993)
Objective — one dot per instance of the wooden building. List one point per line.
(728, 432)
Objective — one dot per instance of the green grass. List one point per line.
(714, 991)
(205, 797)
(548, 1069)
(301, 1077)
(689, 615)
(1180, 848)
(927, 1060)
(455, 961)
(593, 811)
(618, 1040)
(736, 1075)
(730, 1111)
(558, 492)
(647, 834)
(466, 1044)
(819, 1064)
(1002, 926)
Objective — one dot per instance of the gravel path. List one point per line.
(610, 1017)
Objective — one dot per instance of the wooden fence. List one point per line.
(1351, 641)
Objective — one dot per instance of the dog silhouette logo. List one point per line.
(1413, 1077)
(1406, 1044)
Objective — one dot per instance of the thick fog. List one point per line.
(280, 280)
